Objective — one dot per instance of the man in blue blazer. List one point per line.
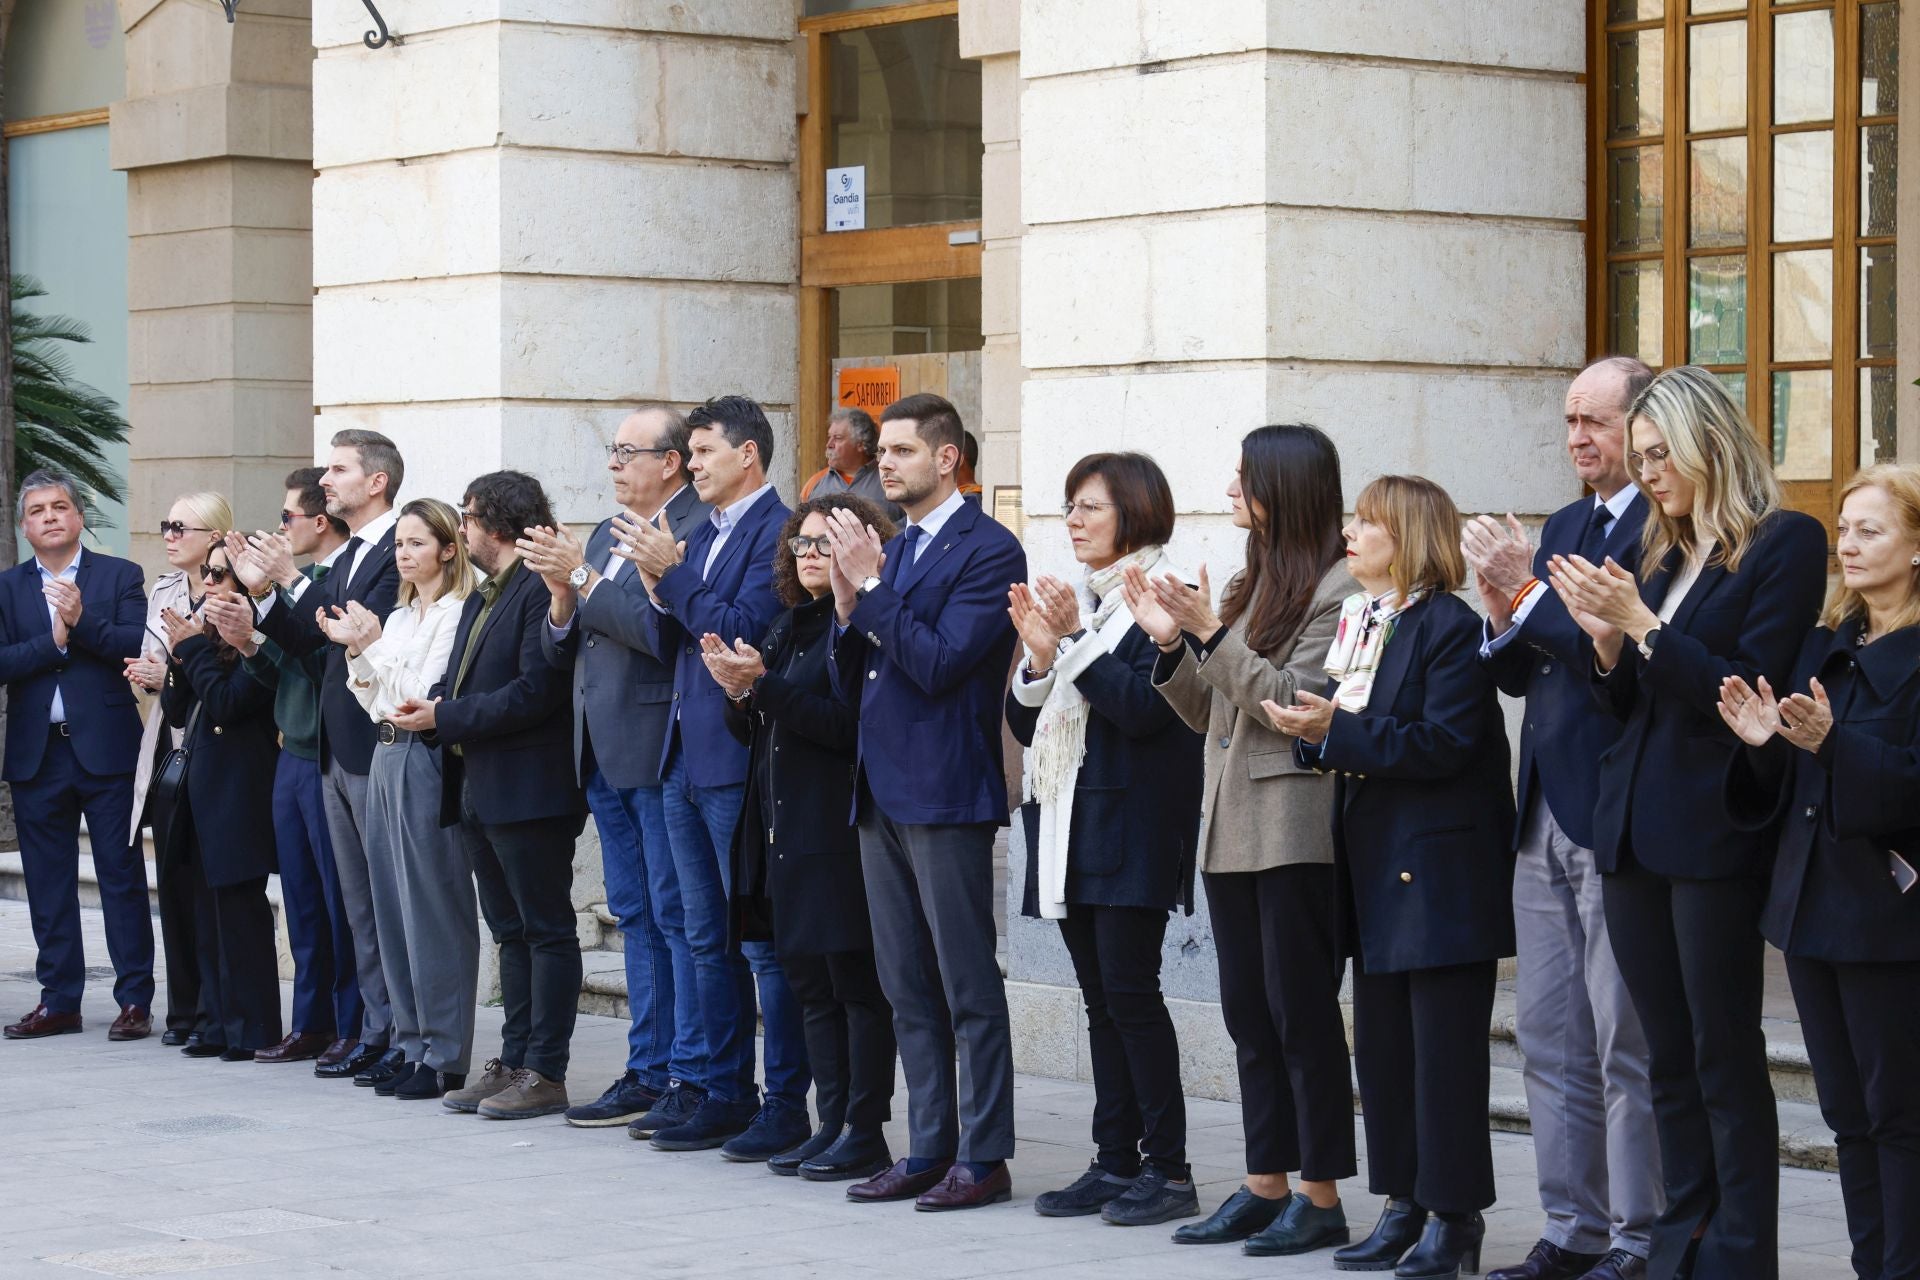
(1586, 1054)
(69, 620)
(622, 698)
(923, 635)
(720, 582)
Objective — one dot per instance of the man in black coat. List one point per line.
(503, 716)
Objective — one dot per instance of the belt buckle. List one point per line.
(63, 729)
(388, 733)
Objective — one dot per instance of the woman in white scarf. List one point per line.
(1112, 791)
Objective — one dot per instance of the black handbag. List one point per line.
(169, 782)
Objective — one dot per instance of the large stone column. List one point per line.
(215, 138)
(1244, 212)
(529, 216)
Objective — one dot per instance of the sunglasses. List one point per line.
(179, 529)
(288, 517)
(214, 573)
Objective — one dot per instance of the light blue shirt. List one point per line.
(57, 713)
(935, 521)
(724, 519)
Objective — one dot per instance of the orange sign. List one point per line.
(869, 389)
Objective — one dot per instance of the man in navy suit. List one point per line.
(622, 697)
(1586, 1055)
(720, 582)
(69, 621)
(922, 632)
(362, 480)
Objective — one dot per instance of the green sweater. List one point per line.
(296, 693)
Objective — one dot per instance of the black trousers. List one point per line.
(1691, 955)
(238, 962)
(1862, 1023)
(1139, 1111)
(1420, 1051)
(174, 879)
(524, 873)
(848, 1026)
(1274, 932)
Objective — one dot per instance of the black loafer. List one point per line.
(362, 1057)
(173, 1038)
(787, 1163)
(1244, 1214)
(1300, 1228)
(198, 1046)
(385, 1088)
(854, 1157)
(384, 1068)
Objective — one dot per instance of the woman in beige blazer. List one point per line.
(1266, 850)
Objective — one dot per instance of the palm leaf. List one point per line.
(60, 423)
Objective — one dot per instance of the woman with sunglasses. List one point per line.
(220, 826)
(194, 523)
(430, 939)
(1729, 585)
(796, 861)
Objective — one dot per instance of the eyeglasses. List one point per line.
(1085, 506)
(177, 529)
(469, 517)
(288, 517)
(625, 453)
(820, 544)
(214, 573)
(1657, 458)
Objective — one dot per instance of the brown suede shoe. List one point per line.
(134, 1023)
(960, 1191)
(43, 1022)
(528, 1094)
(897, 1184)
(493, 1077)
(299, 1046)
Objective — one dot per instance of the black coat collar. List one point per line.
(1888, 663)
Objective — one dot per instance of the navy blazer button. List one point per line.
(873, 675)
(218, 729)
(689, 651)
(1810, 813)
(1546, 669)
(589, 642)
(874, 638)
(1406, 877)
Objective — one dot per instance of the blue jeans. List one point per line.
(665, 1038)
(700, 823)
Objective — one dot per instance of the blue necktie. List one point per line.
(903, 563)
(1593, 547)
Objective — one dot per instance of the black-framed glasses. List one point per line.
(179, 529)
(1657, 457)
(820, 543)
(215, 574)
(625, 453)
(469, 517)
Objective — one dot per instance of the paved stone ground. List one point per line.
(129, 1160)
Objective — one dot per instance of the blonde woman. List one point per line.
(1729, 585)
(428, 927)
(194, 523)
(1841, 745)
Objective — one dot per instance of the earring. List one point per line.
(1916, 562)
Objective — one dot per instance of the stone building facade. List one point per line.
(1188, 218)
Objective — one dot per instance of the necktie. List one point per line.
(1593, 547)
(348, 555)
(909, 538)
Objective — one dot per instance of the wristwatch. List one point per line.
(1646, 643)
(1069, 640)
(578, 578)
(867, 584)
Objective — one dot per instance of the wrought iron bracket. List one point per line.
(373, 39)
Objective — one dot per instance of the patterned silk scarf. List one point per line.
(1366, 624)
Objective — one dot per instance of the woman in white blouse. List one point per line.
(429, 931)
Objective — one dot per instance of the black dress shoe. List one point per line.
(383, 1069)
(1301, 1227)
(237, 1055)
(1548, 1261)
(173, 1038)
(385, 1088)
(854, 1156)
(1618, 1265)
(1243, 1214)
(362, 1057)
(787, 1163)
(1449, 1245)
(1397, 1231)
(198, 1046)
(425, 1082)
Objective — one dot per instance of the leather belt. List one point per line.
(60, 730)
(391, 733)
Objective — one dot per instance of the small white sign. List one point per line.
(847, 198)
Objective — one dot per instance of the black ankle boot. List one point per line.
(1449, 1246)
(1395, 1233)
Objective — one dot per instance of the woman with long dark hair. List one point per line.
(220, 825)
(796, 861)
(1112, 793)
(1265, 851)
(1729, 585)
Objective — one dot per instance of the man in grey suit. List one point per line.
(622, 695)
(1587, 1058)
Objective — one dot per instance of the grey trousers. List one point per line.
(930, 898)
(429, 925)
(1594, 1141)
(344, 796)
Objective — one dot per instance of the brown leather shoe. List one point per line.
(134, 1023)
(960, 1191)
(897, 1184)
(297, 1046)
(43, 1022)
(336, 1053)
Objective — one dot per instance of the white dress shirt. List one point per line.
(408, 659)
(369, 533)
(57, 713)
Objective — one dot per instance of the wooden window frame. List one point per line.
(838, 259)
(1818, 497)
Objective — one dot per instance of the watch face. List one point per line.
(578, 577)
